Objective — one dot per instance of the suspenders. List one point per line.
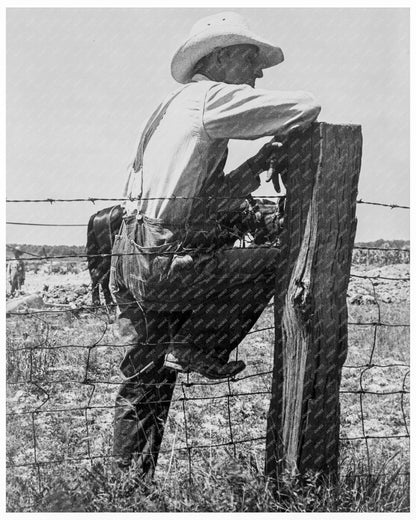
(135, 178)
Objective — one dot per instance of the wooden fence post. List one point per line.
(323, 165)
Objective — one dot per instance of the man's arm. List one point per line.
(235, 187)
(245, 179)
(242, 112)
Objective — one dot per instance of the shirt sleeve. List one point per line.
(242, 112)
(228, 191)
(236, 186)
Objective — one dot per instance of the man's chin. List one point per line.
(250, 83)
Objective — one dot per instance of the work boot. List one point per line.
(183, 360)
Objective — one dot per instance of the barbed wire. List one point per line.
(392, 206)
(380, 277)
(110, 255)
(93, 200)
(369, 248)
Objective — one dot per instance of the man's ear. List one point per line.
(221, 55)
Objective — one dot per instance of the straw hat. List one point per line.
(216, 31)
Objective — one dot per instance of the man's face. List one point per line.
(241, 65)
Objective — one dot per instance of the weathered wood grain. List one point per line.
(310, 303)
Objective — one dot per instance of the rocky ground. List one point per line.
(387, 284)
(368, 285)
(62, 289)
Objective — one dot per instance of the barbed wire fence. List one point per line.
(64, 427)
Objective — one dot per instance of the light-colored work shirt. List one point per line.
(178, 179)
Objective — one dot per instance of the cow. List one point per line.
(258, 220)
(102, 228)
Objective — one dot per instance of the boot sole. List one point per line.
(205, 373)
(176, 366)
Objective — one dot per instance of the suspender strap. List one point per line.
(148, 131)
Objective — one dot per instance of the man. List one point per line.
(187, 297)
(16, 272)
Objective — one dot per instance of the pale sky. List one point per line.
(80, 82)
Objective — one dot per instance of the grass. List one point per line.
(217, 488)
(62, 379)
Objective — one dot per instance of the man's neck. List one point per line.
(199, 76)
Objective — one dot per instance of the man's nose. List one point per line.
(258, 73)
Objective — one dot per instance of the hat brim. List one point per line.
(188, 55)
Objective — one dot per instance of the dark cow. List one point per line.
(259, 220)
(102, 227)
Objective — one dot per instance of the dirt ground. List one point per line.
(368, 285)
(381, 284)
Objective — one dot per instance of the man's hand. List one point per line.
(261, 161)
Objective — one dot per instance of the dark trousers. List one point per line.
(223, 299)
(143, 400)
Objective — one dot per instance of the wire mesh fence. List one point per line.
(62, 375)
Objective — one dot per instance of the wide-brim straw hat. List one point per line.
(213, 32)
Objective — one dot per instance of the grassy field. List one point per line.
(62, 378)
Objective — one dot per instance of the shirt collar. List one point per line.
(199, 77)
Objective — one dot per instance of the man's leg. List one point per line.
(244, 281)
(142, 407)
(222, 323)
(143, 401)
